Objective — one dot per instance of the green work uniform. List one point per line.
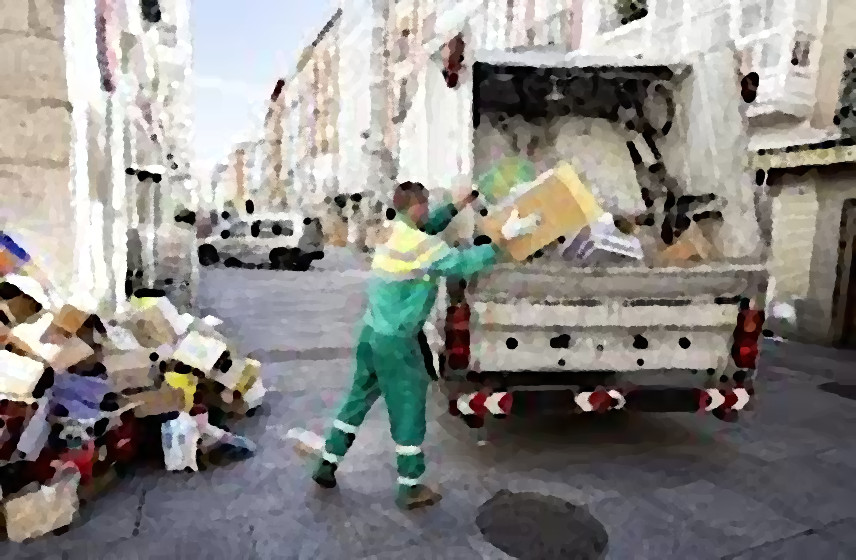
(388, 357)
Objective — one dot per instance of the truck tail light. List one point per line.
(458, 336)
(744, 350)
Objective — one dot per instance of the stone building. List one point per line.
(37, 128)
(96, 151)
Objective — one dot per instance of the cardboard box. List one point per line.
(19, 375)
(254, 395)
(200, 352)
(154, 402)
(133, 369)
(155, 321)
(565, 206)
(19, 309)
(689, 249)
(36, 513)
(71, 319)
(120, 338)
(42, 340)
(240, 377)
(32, 288)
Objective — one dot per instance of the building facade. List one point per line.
(35, 149)
(97, 88)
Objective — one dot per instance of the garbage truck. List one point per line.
(662, 145)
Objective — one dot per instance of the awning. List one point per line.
(828, 152)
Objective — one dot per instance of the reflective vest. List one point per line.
(408, 253)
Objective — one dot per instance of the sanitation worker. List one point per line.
(389, 360)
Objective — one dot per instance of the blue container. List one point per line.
(87, 390)
(13, 248)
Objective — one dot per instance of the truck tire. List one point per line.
(208, 255)
(282, 258)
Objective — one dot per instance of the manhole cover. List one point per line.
(846, 391)
(529, 525)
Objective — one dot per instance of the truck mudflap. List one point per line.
(723, 404)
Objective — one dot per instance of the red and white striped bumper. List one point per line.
(481, 404)
(499, 403)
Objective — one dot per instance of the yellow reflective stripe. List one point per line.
(386, 263)
(433, 253)
(407, 252)
(143, 303)
(405, 238)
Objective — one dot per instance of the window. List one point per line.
(800, 56)
(756, 16)
(631, 10)
(151, 10)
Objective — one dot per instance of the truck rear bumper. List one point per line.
(720, 403)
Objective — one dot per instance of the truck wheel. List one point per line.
(302, 263)
(208, 255)
(281, 258)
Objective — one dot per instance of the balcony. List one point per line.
(786, 61)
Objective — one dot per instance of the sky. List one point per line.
(240, 49)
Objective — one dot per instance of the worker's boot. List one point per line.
(325, 474)
(311, 446)
(418, 496)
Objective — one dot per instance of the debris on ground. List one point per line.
(84, 398)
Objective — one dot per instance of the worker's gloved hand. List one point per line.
(515, 226)
(464, 193)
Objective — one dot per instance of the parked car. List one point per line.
(282, 241)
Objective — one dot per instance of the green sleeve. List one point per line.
(465, 262)
(440, 219)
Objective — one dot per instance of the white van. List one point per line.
(282, 240)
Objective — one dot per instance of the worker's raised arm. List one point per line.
(439, 219)
(464, 262)
(467, 262)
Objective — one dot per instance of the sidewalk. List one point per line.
(829, 363)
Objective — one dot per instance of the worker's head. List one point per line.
(411, 200)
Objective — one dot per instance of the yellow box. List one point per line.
(558, 197)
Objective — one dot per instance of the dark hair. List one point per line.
(407, 194)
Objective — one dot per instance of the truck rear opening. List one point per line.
(622, 335)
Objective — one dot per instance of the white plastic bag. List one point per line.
(180, 440)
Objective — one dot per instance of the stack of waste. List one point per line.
(83, 399)
(568, 212)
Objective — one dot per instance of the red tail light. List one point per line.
(458, 336)
(745, 348)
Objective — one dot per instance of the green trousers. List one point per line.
(395, 368)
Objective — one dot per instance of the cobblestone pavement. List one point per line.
(778, 484)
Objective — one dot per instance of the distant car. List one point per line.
(282, 241)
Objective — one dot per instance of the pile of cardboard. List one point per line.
(567, 210)
(81, 397)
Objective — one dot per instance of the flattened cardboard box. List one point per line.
(19, 308)
(200, 352)
(691, 248)
(42, 340)
(155, 321)
(240, 377)
(565, 206)
(50, 507)
(19, 375)
(133, 369)
(70, 319)
(154, 402)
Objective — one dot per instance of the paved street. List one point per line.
(778, 484)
